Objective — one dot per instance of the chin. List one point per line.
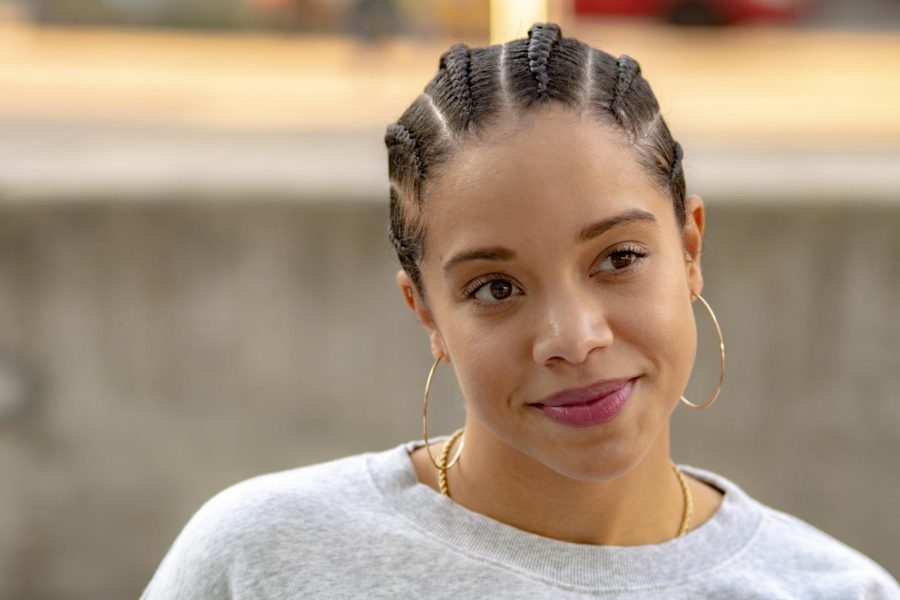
(598, 464)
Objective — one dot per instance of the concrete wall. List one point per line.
(162, 351)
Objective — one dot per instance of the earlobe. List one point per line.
(437, 347)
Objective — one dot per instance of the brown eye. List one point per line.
(623, 260)
(496, 290)
(489, 292)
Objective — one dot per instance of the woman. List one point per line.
(547, 247)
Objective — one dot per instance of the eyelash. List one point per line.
(486, 279)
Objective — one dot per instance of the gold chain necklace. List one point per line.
(688, 499)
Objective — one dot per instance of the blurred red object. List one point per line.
(698, 12)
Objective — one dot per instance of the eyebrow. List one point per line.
(588, 233)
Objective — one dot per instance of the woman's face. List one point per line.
(553, 304)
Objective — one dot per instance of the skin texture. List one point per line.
(564, 320)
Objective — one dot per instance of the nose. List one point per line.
(573, 323)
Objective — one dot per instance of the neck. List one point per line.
(642, 506)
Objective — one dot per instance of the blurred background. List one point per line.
(196, 285)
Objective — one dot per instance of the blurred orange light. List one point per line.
(269, 4)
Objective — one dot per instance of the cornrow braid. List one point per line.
(678, 154)
(399, 135)
(407, 171)
(541, 39)
(457, 62)
(627, 69)
(399, 246)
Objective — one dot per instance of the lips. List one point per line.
(585, 395)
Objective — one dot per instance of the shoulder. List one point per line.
(780, 555)
(239, 529)
(247, 507)
(800, 551)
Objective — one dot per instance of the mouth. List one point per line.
(591, 394)
(601, 408)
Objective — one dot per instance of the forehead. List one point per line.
(540, 178)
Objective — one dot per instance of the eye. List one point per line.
(490, 290)
(623, 259)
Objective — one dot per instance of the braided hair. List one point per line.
(475, 88)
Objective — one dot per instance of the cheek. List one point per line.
(660, 323)
(489, 361)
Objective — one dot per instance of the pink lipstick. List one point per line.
(598, 403)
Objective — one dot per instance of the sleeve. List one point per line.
(198, 564)
(881, 585)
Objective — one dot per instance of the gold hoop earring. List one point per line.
(425, 423)
(722, 361)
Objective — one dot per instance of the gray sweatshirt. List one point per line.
(363, 526)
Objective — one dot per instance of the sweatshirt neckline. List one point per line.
(569, 564)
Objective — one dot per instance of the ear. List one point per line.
(692, 241)
(423, 313)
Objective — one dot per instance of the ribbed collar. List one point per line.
(588, 566)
